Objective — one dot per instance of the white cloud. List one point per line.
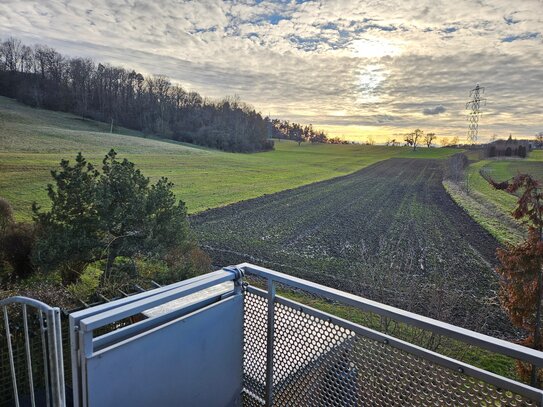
(380, 63)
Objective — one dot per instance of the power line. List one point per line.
(474, 105)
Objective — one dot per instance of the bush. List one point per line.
(6, 214)
(185, 262)
(454, 167)
(49, 292)
(16, 243)
(88, 283)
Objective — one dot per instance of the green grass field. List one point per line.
(33, 141)
(492, 208)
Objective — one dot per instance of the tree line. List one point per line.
(417, 136)
(40, 76)
(286, 130)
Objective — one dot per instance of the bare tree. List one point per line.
(11, 54)
(539, 139)
(450, 141)
(408, 138)
(413, 139)
(418, 135)
(454, 167)
(429, 138)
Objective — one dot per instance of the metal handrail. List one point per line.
(83, 324)
(492, 344)
(51, 341)
(28, 301)
(96, 321)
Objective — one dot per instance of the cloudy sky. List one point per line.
(354, 68)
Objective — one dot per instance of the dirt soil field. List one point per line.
(389, 232)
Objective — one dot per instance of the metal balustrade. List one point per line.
(293, 354)
(312, 358)
(143, 346)
(36, 345)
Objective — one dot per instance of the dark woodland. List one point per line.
(39, 76)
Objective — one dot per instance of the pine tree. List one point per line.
(105, 215)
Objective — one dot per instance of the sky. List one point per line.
(356, 69)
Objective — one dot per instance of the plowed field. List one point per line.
(388, 232)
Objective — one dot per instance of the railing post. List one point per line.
(43, 329)
(60, 356)
(28, 358)
(270, 341)
(54, 345)
(238, 281)
(10, 356)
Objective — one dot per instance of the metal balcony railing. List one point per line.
(310, 357)
(293, 342)
(31, 353)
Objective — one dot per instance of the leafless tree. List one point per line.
(454, 167)
(412, 139)
(539, 139)
(429, 138)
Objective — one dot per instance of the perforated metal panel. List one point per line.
(319, 363)
(254, 349)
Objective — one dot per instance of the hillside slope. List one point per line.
(33, 141)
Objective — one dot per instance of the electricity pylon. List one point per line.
(474, 105)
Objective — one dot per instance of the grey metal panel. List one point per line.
(323, 360)
(488, 377)
(77, 336)
(195, 360)
(128, 331)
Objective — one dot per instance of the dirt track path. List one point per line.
(389, 232)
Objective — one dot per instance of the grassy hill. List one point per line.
(33, 141)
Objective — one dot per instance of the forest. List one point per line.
(39, 76)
